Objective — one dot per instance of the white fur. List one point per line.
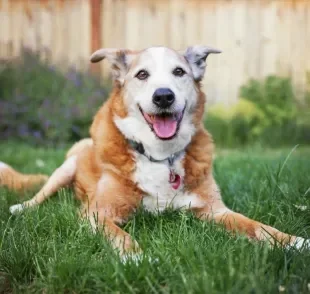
(196, 57)
(301, 243)
(136, 258)
(65, 171)
(3, 165)
(138, 130)
(17, 208)
(153, 179)
(159, 62)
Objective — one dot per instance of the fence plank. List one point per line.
(258, 37)
(5, 29)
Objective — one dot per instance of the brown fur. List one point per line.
(101, 172)
(112, 152)
(109, 156)
(16, 181)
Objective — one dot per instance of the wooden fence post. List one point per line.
(95, 10)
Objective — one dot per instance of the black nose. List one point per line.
(163, 97)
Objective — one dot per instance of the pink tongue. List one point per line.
(165, 127)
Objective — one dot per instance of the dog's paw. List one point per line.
(136, 258)
(17, 208)
(132, 258)
(3, 165)
(300, 243)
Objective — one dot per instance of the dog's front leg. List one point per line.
(61, 177)
(215, 210)
(118, 238)
(113, 202)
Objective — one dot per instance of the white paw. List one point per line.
(17, 208)
(136, 258)
(301, 243)
(132, 258)
(3, 165)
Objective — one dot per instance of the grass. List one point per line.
(49, 250)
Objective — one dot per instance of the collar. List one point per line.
(140, 148)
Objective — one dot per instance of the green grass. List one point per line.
(47, 249)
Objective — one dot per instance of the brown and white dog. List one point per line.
(148, 146)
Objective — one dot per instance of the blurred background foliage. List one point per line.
(267, 113)
(43, 106)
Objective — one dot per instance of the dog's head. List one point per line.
(160, 91)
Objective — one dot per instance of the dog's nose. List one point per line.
(163, 97)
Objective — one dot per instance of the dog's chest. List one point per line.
(160, 192)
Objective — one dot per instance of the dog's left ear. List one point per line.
(120, 60)
(196, 57)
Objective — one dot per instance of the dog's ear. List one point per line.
(120, 60)
(196, 57)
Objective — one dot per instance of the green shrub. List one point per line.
(266, 113)
(39, 104)
(274, 97)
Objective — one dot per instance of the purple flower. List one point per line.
(74, 77)
(23, 130)
(37, 134)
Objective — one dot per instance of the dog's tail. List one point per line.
(16, 181)
(62, 177)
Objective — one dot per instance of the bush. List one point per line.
(39, 104)
(236, 125)
(267, 112)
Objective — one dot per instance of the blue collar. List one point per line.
(140, 149)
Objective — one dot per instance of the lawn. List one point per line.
(49, 250)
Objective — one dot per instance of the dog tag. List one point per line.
(174, 180)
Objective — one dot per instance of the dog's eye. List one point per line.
(179, 72)
(142, 75)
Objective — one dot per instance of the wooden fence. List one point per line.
(258, 37)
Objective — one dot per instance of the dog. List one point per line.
(148, 146)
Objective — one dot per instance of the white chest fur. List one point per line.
(153, 179)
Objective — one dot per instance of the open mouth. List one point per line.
(165, 125)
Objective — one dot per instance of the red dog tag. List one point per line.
(174, 180)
